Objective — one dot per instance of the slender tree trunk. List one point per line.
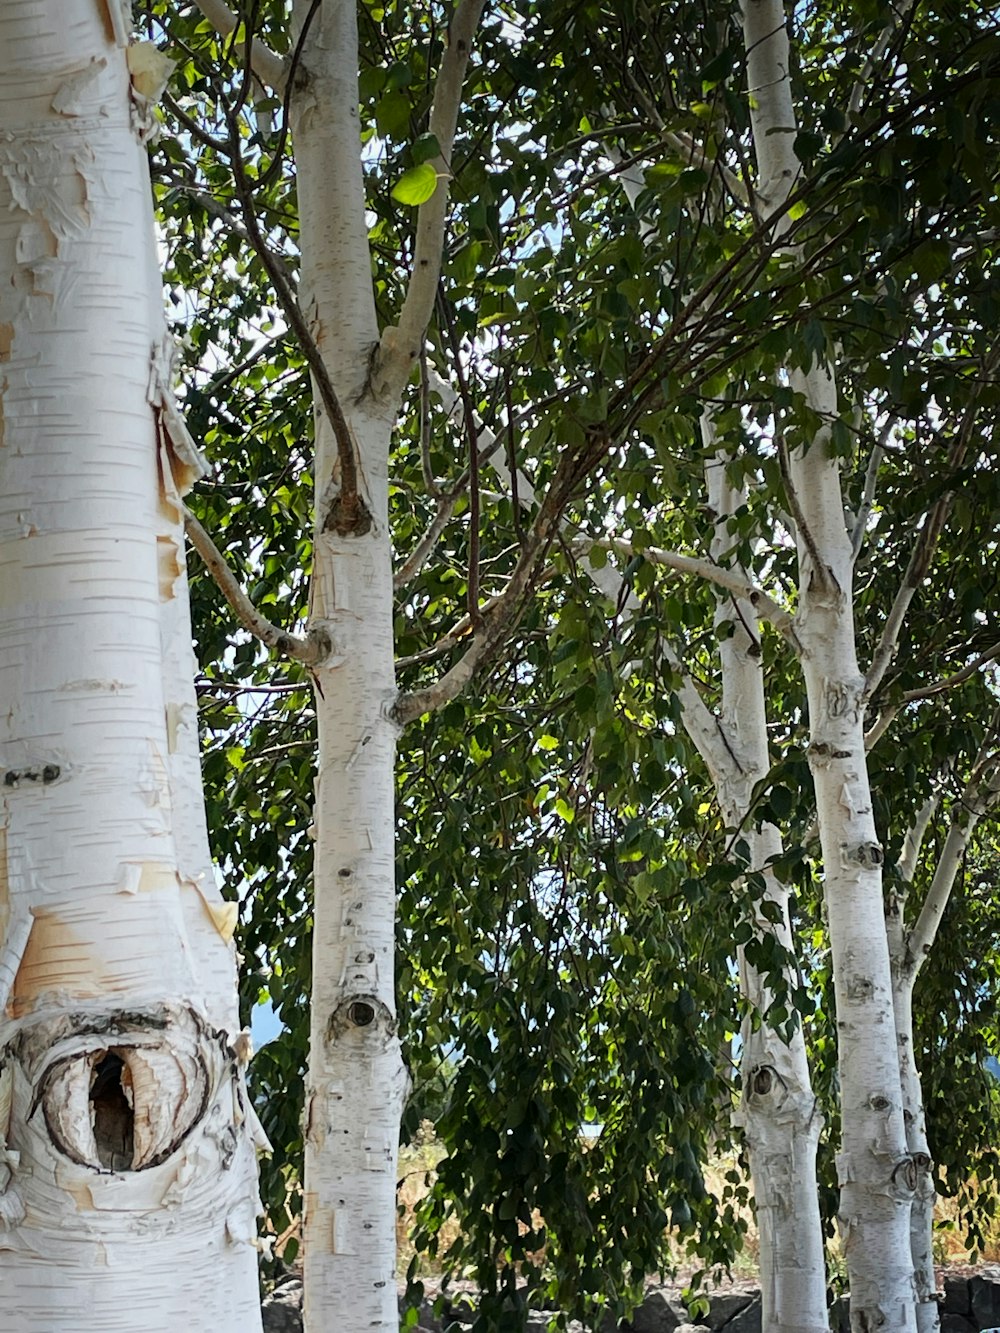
(127, 1190)
(356, 1085)
(908, 950)
(874, 1166)
(778, 1112)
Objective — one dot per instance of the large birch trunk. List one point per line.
(128, 1183)
(778, 1112)
(356, 1082)
(874, 1165)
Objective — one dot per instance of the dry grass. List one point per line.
(418, 1162)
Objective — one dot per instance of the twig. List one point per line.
(505, 611)
(309, 650)
(205, 685)
(923, 549)
(950, 682)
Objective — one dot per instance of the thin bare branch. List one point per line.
(496, 622)
(949, 682)
(308, 650)
(923, 549)
(506, 609)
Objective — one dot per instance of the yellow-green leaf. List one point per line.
(416, 185)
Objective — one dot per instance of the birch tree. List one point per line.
(555, 323)
(126, 1133)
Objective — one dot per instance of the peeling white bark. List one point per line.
(125, 1135)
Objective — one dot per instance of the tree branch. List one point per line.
(308, 650)
(347, 511)
(950, 682)
(733, 581)
(868, 495)
(401, 343)
(914, 839)
(981, 793)
(265, 63)
(923, 549)
(500, 618)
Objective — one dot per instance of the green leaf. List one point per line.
(416, 186)
(426, 148)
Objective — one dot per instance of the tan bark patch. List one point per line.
(168, 562)
(173, 712)
(55, 958)
(6, 341)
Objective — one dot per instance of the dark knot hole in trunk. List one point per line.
(112, 1113)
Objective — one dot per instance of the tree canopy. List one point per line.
(570, 896)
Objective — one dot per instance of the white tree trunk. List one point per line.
(128, 1183)
(875, 1169)
(909, 949)
(356, 1086)
(778, 1112)
(874, 1166)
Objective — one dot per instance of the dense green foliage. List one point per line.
(569, 900)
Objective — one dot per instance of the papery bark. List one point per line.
(125, 1129)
